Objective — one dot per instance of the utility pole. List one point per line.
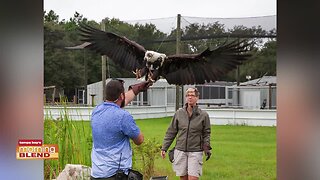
(238, 83)
(103, 68)
(85, 77)
(178, 37)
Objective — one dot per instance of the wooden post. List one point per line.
(75, 99)
(238, 83)
(92, 99)
(53, 94)
(44, 98)
(103, 68)
(270, 95)
(85, 77)
(178, 40)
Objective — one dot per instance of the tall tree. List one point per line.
(61, 67)
(262, 63)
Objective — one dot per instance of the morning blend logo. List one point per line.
(34, 149)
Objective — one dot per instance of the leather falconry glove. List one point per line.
(207, 151)
(139, 87)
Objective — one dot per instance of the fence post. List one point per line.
(92, 99)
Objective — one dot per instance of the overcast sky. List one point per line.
(151, 9)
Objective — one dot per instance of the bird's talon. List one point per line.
(151, 80)
(137, 73)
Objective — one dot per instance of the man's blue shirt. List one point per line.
(112, 128)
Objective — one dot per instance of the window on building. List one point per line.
(145, 98)
(206, 92)
(230, 93)
(211, 92)
(222, 92)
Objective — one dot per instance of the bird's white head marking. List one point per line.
(154, 59)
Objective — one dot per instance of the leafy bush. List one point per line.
(145, 155)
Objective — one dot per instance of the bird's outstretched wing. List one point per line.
(206, 66)
(124, 52)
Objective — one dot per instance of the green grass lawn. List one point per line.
(239, 152)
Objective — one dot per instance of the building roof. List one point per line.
(219, 83)
(263, 81)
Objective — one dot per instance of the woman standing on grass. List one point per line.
(192, 125)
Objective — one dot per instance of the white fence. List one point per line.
(242, 117)
(84, 113)
(217, 116)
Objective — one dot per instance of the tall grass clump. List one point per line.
(74, 140)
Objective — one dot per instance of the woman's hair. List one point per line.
(193, 89)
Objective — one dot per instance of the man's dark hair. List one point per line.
(113, 89)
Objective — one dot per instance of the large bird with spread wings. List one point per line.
(179, 69)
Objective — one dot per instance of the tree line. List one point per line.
(71, 69)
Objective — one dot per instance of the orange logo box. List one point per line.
(28, 149)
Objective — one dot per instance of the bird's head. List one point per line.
(154, 59)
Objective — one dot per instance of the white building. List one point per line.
(254, 94)
(249, 95)
(160, 93)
